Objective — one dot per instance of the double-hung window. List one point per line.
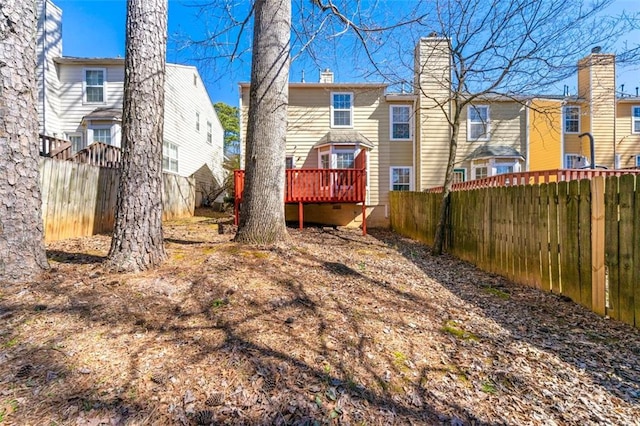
(478, 124)
(345, 159)
(400, 122)
(209, 137)
(94, 85)
(635, 119)
(400, 178)
(102, 135)
(170, 157)
(341, 109)
(197, 121)
(571, 119)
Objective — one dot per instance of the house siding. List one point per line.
(49, 42)
(627, 143)
(433, 78)
(184, 96)
(545, 135)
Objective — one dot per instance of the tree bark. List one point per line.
(137, 242)
(22, 252)
(262, 217)
(443, 215)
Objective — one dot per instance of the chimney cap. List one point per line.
(433, 34)
(596, 49)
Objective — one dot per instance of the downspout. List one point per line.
(526, 134)
(44, 67)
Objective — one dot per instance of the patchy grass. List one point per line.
(455, 329)
(497, 292)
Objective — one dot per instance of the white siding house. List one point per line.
(80, 100)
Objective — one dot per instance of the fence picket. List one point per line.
(611, 245)
(625, 248)
(584, 242)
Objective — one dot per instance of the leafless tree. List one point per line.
(137, 242)
(22, 252)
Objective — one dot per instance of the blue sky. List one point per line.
(96, 28)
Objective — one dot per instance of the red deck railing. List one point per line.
(534, 178)
(316, 186)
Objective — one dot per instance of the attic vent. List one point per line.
(596, 49)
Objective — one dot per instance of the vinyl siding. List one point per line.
(628, 143)
(72, 107)
(507, 128)
(185, 95)
(49, 46)
(545, 135)
(433, 76)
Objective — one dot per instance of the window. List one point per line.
(209, 138)
(401, 122)
(94, 86)
(575, 161)
(341, 110)
(401, 178)
(635, 118)
(480, 172)
(637, 161)
(198, 121)
(102, 135)
(345, 159)
(325, 161)
(289, 164)
(478, 123)
(170, 157)
(77, 143)
(459, 175)
(572, 119)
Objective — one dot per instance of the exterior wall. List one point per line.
(49, 45)
(309, 120)
(596, 83)
(627, 142)
(185, 95)
(507, 127)
(432, 79)
(545, 135)
(71, 106)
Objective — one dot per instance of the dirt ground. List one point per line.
(337, 328)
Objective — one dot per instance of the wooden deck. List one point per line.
(315, 186)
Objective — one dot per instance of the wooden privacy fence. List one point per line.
(79, 200)
(580, 239)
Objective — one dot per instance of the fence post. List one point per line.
(597, 246)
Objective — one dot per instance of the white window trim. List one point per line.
(391, 122)
(177, 158)
(567, 156)
(209, 133)
(350, 126)
(464, 173)
(76, 135)
(104, 86)
(392, 168)
(492, 163)
(634, 119)
(564, 119)
(487, 135)
(95, 127)
(197, 121)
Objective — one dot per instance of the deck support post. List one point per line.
(364, 218)
(300, 214)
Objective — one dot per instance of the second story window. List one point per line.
(209, 137)
(341, 110)
(478, 123)
(571, 119)
(635, 118)
(94, 86)
(197, 121)
(401, 122)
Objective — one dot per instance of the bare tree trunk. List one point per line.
(262, 218)
(137, 242)
(438, 241)
(22, 252)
